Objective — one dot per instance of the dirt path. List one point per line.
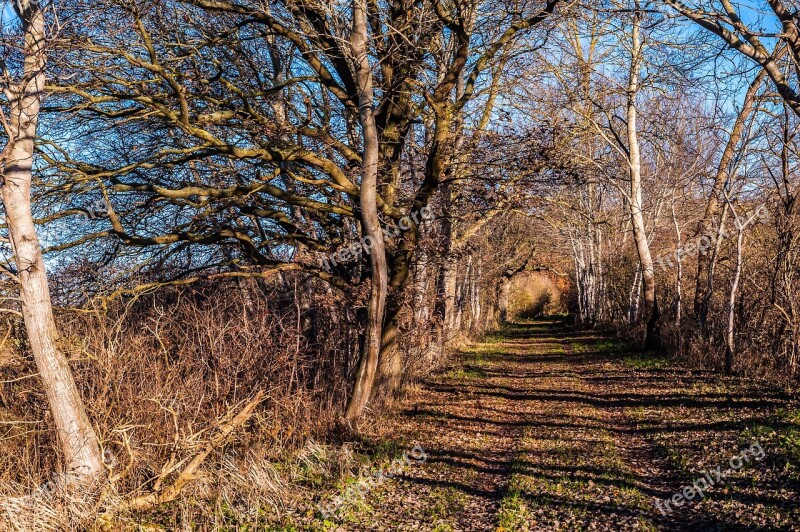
(544, 428)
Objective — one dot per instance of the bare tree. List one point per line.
(741, 222)
(635, 201)
(24, 98)
(705, 230)
(724, 19)
(368, 365)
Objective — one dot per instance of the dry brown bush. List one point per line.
(160, 370)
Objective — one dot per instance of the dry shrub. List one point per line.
(159, 371)
(47, 508)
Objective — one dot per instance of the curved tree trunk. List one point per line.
(706, 227)
(76, 434)
(367, 368)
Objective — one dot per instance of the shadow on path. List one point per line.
(544, 428)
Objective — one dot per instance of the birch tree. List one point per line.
(20, 119)
(635, 200)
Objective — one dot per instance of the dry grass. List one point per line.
(158, 373)
(161, 371)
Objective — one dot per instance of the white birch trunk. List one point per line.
(636, 201)
(75, 432)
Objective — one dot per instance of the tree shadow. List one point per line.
(508, 376)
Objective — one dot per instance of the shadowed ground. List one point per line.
(545, 428)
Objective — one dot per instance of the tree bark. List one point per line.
(391, 363)
(730, 330)
(365, 375)
(679, 279)
(75, 432)
(652, 340)
(503, 296)
(737, 275)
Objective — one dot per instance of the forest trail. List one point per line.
(545, 428)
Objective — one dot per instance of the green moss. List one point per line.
(466, 373)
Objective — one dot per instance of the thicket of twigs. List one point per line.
(160, 371)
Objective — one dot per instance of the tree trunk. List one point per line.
(450, 287)
(75, 432)
(503, 296)
(705, 230)
(652, 340)
(365, 375)
(461, 291)
(729, 334)
(679, 280)
(634, 294)
(391, 362)
(477, 308)
(737, 275)
(447, 282)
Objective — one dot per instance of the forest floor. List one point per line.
(541, 427)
